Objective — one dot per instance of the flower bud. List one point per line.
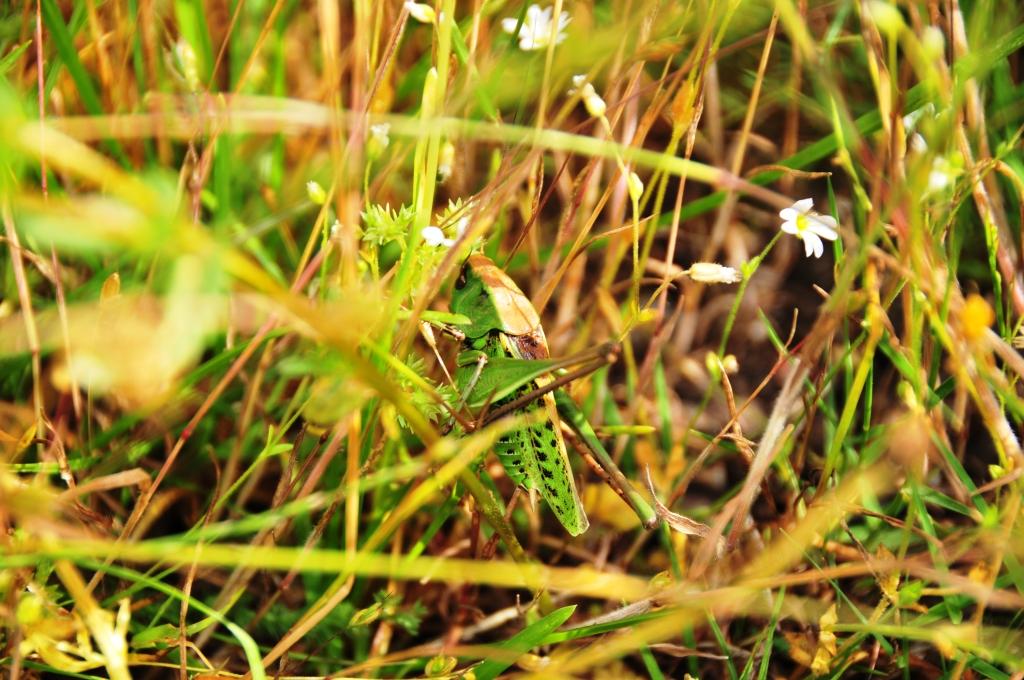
(712, 272)
(886, 17)
(421, 12)
(440, 665)
(933, 41)
(186, 57)
(592, 100)
(315, 192)
(635, 186)
(446, 162)
(378, 141)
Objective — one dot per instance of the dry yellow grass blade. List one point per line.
(584, 581)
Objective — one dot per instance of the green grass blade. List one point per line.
(524, 641)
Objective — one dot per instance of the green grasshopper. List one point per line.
(504, 365)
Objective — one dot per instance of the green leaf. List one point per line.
(524, 641)
(910, 593)
(64, 42)
(11, 57)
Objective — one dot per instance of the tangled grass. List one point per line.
(231, 232)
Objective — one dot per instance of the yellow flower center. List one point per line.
(802, 223)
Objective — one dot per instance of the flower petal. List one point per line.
(804, 205)
(821, 231)
(813, 244)
(788, 214)
(433, 236)
(509, 24)
(789, 226)
(808, 245)
(826, 221)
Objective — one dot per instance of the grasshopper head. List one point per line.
(492, 300)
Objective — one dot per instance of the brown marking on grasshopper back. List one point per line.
(530, 345)
(517, 314)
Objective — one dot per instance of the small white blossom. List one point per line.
(712, 272)
(433, 236)
(808, 226)
(461, 226)
(578, 81)
(537, 30)
(420, 12)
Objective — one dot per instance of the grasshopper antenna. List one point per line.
(606, 353)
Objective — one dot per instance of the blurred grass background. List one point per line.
(225, 449)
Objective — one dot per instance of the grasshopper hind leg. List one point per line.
(554, 476)
(532, 459)
(513, 452)
(534, 455)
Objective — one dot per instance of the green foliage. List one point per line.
(215, 376)
(383, 225)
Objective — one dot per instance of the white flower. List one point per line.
(712, 272)
(537, 30)
(433, 236)
(808, 226)
(420, 12)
